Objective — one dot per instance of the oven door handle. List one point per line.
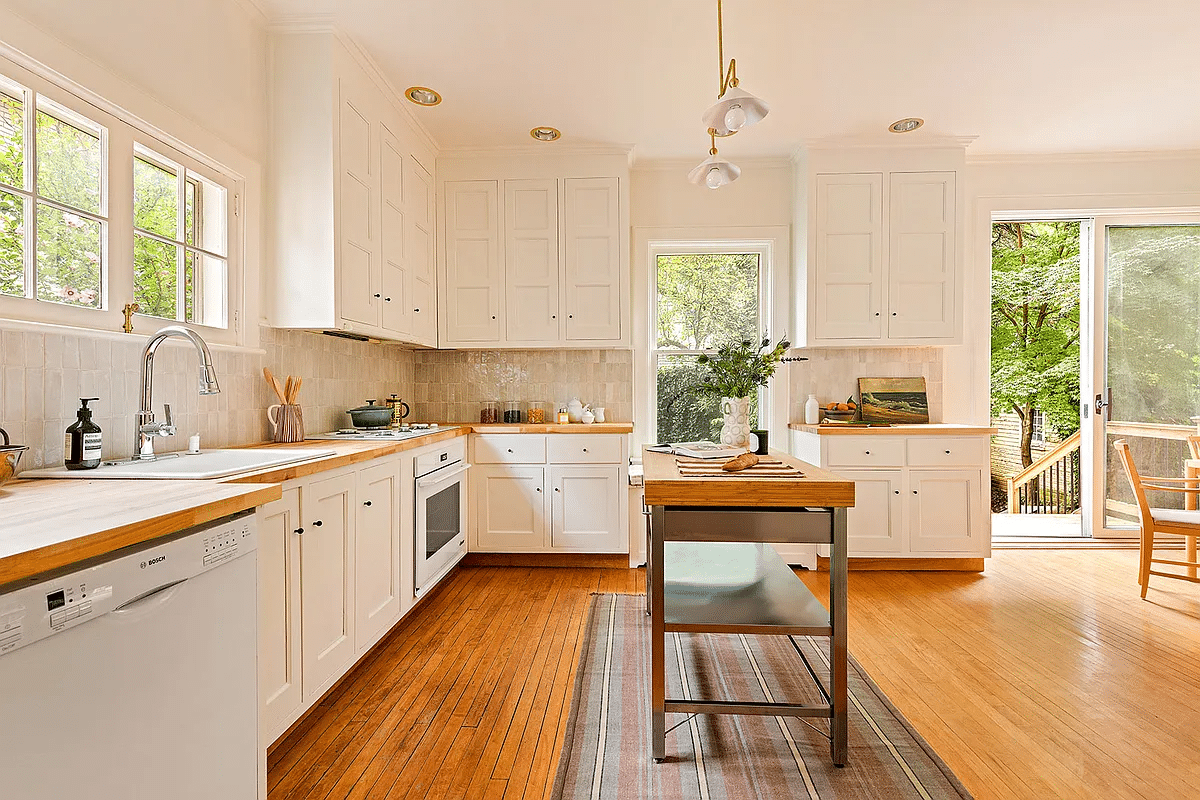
(434, 480)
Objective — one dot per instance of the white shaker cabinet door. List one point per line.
(944, 510)
(279, 684)
(848, 291)
(358, 224)
(510, 507)
(418, 251)
(377, 557)
(875, 524)
(585, 512)
(395, 289)
(327, 516)
(921, 286)
(592, 248)
(531, 260)
(472, 280)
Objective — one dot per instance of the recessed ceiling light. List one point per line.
(422, 96)
(544, 133)
(907, 125)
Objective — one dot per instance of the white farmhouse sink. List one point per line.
(201, 466)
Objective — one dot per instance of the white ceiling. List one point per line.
(1024, 76)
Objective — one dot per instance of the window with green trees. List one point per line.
(63, 243)
(703, 300)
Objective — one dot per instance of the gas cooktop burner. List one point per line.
(403, 432)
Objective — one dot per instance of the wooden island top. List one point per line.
(664, 486)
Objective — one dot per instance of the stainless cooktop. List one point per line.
(404, 432)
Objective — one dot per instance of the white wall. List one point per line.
(203, 60)
(1084, 184)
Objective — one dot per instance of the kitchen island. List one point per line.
(700, 584)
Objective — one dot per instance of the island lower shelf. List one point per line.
(736, 587)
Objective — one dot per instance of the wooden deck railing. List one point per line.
(1050, 485)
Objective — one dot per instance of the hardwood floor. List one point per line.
(1043, 677)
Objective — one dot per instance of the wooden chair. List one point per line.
(1194, 446)
(1179, 522)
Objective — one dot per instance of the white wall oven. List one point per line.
(441, 513)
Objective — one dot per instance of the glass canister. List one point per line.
(536, 413)
(512, 412)
(489, 412)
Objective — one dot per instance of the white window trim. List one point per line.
(123, 130)
(773, 244)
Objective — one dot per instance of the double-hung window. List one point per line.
(703, 298)
(98, 216)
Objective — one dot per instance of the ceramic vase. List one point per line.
(736, 428)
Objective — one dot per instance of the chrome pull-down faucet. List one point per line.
(145, 428)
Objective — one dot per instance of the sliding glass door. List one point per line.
(1143, 379)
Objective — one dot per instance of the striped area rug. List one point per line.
(606, 753)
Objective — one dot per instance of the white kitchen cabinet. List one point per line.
(549, 493)
(279, 686)
(592, 273)
(473, 281)
(585, 515)
(560, 277)
(327, 517)
(883, 229)
(943, 507)
(531, 260)
(340, 215)
(916, 496)
(510, 507)
(378, 581)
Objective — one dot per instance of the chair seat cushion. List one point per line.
(1176, 515)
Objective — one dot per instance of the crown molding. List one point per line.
(543, 149)
(255, 9)
(907, 141)
(302, 23)
(1107, 156)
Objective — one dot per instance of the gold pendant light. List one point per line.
(714, 172)
(735, 108)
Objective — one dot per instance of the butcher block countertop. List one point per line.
(814, 487)
(930, 429)
(49, 524)
(574, 427)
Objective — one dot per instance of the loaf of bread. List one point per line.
(740, 463)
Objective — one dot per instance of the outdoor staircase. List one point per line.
(1050, 485)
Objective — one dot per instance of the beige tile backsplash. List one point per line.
(833, 373)
(43, 375)
(451, 384)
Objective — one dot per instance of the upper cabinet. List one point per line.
(882, 265)
(351, 207)
(532, 257)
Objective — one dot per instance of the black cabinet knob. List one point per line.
(868, 452)
(539, 488)
(947, 452)
(417, 310)
(366, 502)
(914, 491)
(317, 524)
(299, 530)
(877, 313)
(493, 316)
(377, 295)
(897, 491)
(387, 299)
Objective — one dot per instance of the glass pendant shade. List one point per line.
(714, 172)
(736, 110)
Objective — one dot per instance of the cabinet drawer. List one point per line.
(583, 448)
(947, 452)
(510, 448)
(864, 451)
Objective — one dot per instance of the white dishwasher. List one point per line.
(134, 676)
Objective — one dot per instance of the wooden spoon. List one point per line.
(287, 390)
(274, 384)
(296, 388)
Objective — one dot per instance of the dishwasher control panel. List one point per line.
(121, 585)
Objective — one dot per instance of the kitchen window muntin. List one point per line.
(702, 299)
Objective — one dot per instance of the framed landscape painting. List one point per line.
(900, 401)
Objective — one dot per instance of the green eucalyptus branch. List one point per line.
(738, 369)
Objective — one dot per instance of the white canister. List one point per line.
(812, 410)
(587, 417)
(599, 412)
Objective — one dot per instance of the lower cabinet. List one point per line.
(918, 496)
(335, 574)
(327, 517)
(549, 493)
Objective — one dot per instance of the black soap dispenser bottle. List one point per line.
(81, 449)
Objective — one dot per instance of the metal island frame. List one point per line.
(692, 521)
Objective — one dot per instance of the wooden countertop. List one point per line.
(574, 427)
(49, 524)
(664, 486)
(931, 429)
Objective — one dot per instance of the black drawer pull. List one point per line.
(366, 502)
(299, 530)
(317, 524)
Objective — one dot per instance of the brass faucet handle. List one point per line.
(129, 310)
